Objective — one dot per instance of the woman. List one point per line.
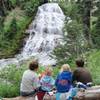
(30, 82)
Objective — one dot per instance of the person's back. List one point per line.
(47, 82)
(81, 74)
(29, 81)
(63, 82)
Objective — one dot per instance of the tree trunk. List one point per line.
(86, 21)
(89, 94)
(2, 8)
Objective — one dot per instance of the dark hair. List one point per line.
(33, 65)
(80, 63)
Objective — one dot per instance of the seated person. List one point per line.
(81, 74)
(30, 82)
(47, 83)
(63, 82)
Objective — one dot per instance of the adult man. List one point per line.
(81, 74)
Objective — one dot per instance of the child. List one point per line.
(64, 80)
(47, 83)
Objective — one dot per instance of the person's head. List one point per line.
(65, 67)
(33, 65)
(80, 63)
(48, 71)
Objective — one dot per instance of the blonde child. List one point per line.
(63, 81)
(47, 82)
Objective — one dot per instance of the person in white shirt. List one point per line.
(30, 81)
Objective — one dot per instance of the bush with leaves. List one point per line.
(96, 34)
(10, 79)
(96, 25)
(30, 6)
(13, 28)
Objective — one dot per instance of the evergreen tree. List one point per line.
(1, 32)
(96, 29)
(86, 21)
(12, 30)
(96, 34)
(73, 44)
(85, 7)
(4, 6)
(1, 24)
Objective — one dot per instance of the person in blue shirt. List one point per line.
(47, 83)
(63, 81)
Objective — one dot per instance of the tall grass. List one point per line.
(94, 66)
(10, 79)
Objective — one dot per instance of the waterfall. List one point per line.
(45, 33)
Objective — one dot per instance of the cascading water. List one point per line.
(45, 33)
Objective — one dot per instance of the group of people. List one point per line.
(33, 84)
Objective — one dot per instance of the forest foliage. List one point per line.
(15, 16)
(81, 31)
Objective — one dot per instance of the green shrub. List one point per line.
(94, 65)
(30, 7)
(96, 34)
(10, 81)
(8, 90)
(13, 32)
(13, 2)
(13, 29)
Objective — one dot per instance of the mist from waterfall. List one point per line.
(45, 33)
